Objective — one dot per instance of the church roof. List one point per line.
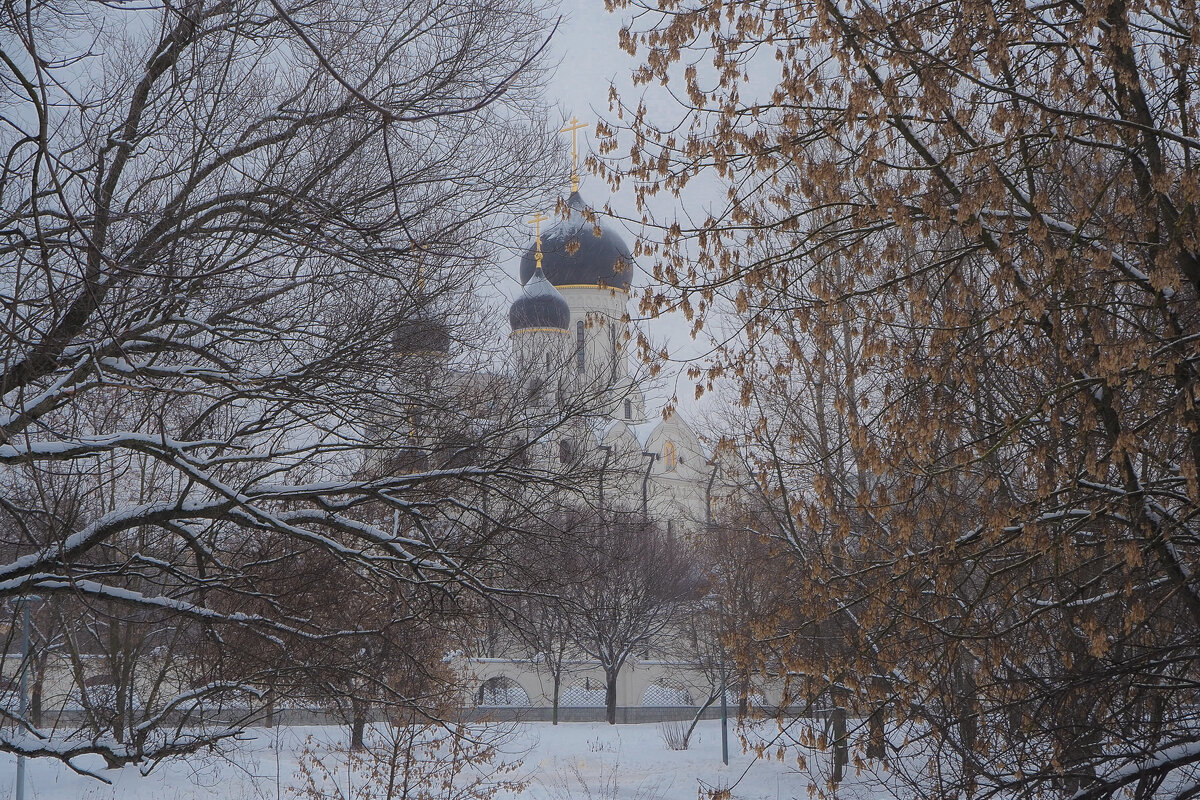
(539, 306)
(580, 250)
(422, 332)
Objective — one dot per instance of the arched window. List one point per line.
(666, 694)
(670, 459)
(579, 345)
(501, 691)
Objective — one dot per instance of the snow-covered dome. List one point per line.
(539, 306)
(580, 252)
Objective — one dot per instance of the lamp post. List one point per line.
(708, 518)
(603, 468)
(646, 483)
(24, 602)
(724, 714)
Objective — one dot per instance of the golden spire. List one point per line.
(536, 222)
(573, 126)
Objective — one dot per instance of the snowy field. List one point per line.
(576, 761)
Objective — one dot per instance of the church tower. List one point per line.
(541, 319)
(591, 267)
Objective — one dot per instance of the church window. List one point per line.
(670, 458)
(628, 408)
(547, 362)
(612, 338)
(579, 345)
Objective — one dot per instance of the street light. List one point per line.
(646, 484)
(708, 518)
(24, 603)
(724, 697)
(603, 467)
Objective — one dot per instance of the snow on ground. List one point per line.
(571, 761)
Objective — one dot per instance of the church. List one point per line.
(571, 343)
(572, 349)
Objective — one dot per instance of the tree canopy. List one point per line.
(960, 243)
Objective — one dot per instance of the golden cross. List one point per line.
(537, 221)
(573, 126)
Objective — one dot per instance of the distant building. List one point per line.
(572, 347)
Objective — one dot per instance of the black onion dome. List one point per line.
(422, 333)
(577, 251)
(539, 306)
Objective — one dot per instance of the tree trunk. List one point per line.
(1078, 741)
(358, 724)
(117, 677)
(712, 698)
(610, 697)
(841, 738)
(554, 699)
(876, 739)
(968, 725)
(35, 695)
(743, 707)
(118, 720)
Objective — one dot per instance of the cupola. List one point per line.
(422, 333)
(580, 250)
(539, 307)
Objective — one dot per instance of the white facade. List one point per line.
(600, 344)
(651, 462)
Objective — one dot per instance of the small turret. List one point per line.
(541, 322)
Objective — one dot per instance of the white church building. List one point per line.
(572, 343)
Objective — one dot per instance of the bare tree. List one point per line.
(220, 225)
(541, 622)
(632, 584)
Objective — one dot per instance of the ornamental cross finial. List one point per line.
(573, 126)
(536, 222)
